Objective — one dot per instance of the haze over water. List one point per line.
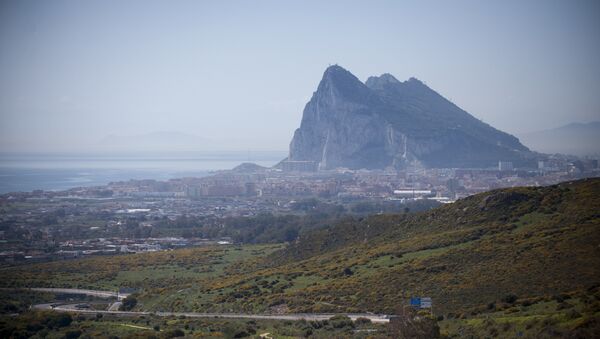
(27, 172)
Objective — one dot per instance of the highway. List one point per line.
(99, 294)
(376, 318)
(113, 309)
(115, 306)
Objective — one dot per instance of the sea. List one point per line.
(55, 171)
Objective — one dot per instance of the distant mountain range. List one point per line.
(387, 123)
(579, 139)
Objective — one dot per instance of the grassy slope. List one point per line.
(35, 325)
(531, 242)
(525, 241)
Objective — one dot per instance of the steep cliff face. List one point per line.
(385, 122)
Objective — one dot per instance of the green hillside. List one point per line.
(528, 242)
(521, 256)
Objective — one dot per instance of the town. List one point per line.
(148, 215)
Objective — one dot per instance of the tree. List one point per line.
(510, 298)
(290, 234)
(174, 334)
(73, 334)
(128, 303)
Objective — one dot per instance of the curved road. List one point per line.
(99, 294)
(376, 318)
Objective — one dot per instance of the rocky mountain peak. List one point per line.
(416, 83)
(338, 82)
(336, 70)
(388, 123)
(380, 81)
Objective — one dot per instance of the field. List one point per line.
(531, 318)
(61, 325)
(164, 278)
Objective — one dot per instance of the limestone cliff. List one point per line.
(385, 122)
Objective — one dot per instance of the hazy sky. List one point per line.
(73, 72)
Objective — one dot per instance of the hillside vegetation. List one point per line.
(521, 256)
(528, 242)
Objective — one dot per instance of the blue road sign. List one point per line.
(426, 302)
(420, 302)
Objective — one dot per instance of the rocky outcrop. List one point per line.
(387, 123)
